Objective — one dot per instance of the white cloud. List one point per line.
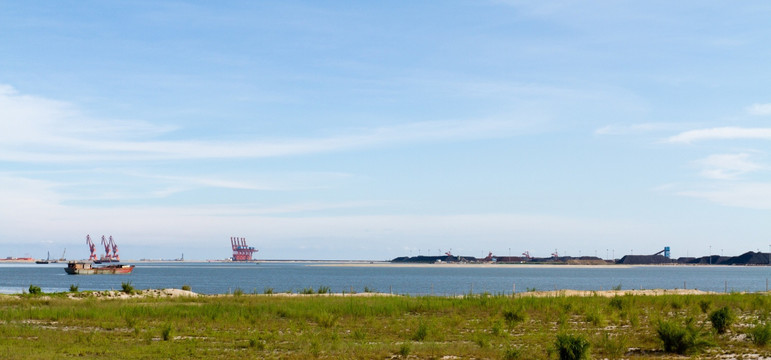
(759, 109)
(744, 195)
(635, 128)
(721, 133)
(34, 129)
(727, 166)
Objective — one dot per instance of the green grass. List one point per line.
(352, 327)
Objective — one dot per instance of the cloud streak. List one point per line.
(721, 133)
(727, 166)
(41, 130)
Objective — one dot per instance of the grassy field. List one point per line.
(46, 326)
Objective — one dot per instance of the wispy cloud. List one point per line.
(721, 133)
(727, 166)
(636, 128)
(759, 109)
(744, 195)
(40, 130)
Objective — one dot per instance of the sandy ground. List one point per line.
(172, 293)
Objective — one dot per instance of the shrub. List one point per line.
(308, 291)
(238, 292)
(616, 288)
(127, 287)
(35, 290)
(612, 347)
(73, 288)
(512, 353)
(186, 287)
(721, 319)
(166, 332)
(268, 291)
(704, 305)
(681, 339)
(404, 350)
(421, 332)
(368, 290)
(324, 290)
(760, 334)
(515, 316)
(571, 347)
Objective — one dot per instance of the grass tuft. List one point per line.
(682, 340)
(571, 347)
(721, 319)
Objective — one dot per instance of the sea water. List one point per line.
(222, 278)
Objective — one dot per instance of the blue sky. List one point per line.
(370, 130)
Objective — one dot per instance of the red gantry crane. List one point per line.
(107, 257)
(91, 247)
(241, 251)
(114, 246)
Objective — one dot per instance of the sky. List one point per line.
(371, 130)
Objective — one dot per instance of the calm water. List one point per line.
(219, 278)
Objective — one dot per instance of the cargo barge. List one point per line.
(87, 268)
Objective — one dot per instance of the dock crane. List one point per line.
(91, 247)
(106, 244)
(114, 246)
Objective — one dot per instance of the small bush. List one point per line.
(127, 287)
(35, 290)
(421, 332)
(617, 302)
(404, 350)
(73, 288)
(308, 291)
(268, 291)
(515, 316)
(238, 292)
(612, 347)
(616, 288)
(186, 287)
(705, 305)
(368, 290)
(760, 334)
(679, 339)
(166, 332)
(512, 353)
(571, 347)
(721, 319)
(324, 290)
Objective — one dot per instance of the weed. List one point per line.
(593, 316)
(612, 347)
(704, 305)
(482, 340)
(324, 290)
(514, 316)
(368, 290)
(721, 319)
(497, 329)
(166, 332)
(404, 350)
(531, 289)
(617, 302)
(35, 290)
(571, 347)
(186, 287)
(679, 339)
(127, 287)
(760, 334)
(616, 287)
(73, 288)
(512, 353)
(238, 292)
(421, 332)
(308, 291)
(268, 291)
